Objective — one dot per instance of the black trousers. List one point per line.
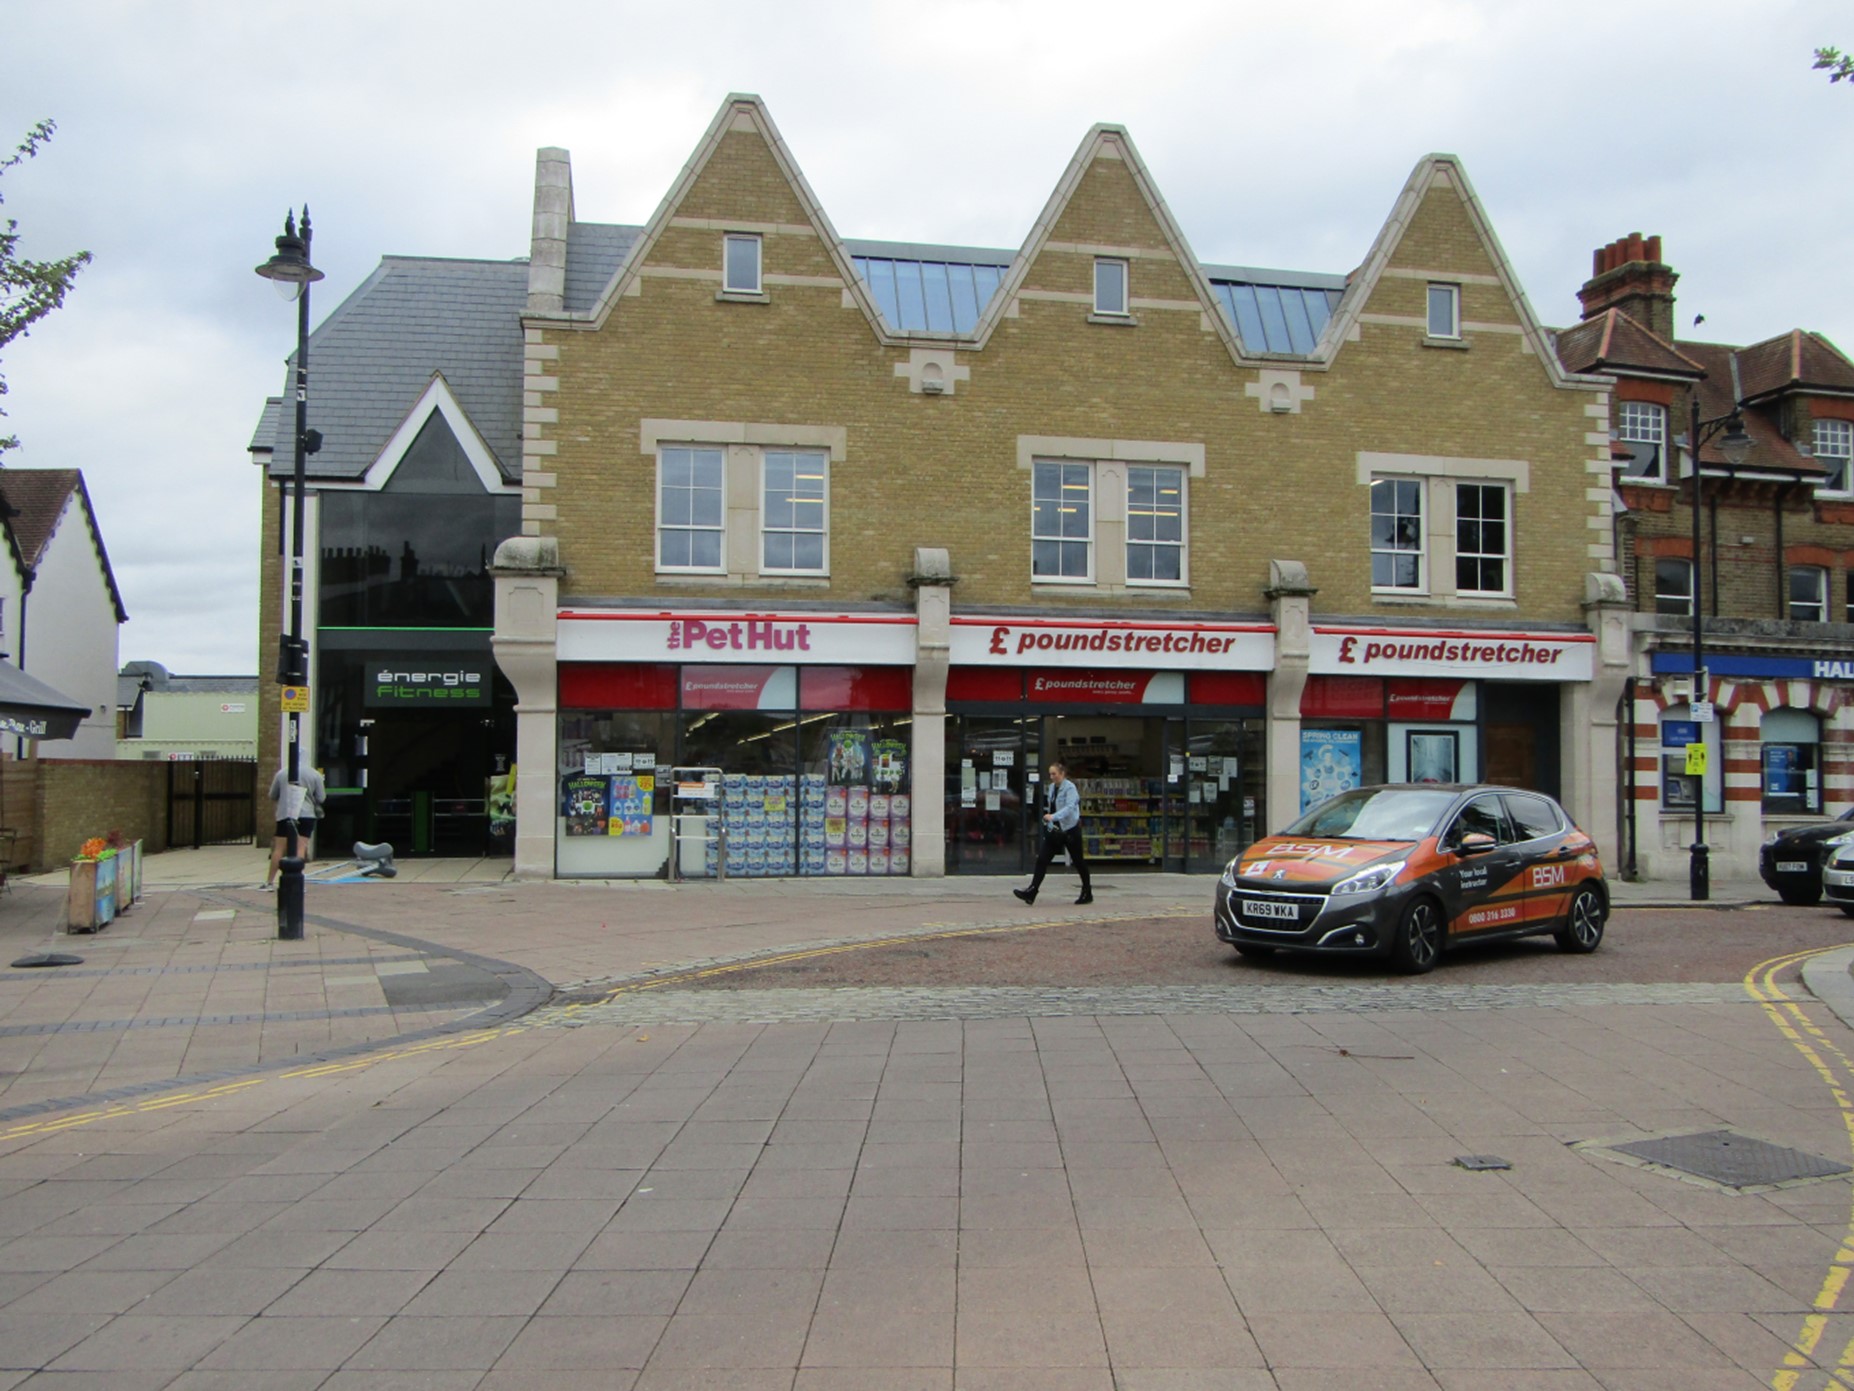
(1054, 842)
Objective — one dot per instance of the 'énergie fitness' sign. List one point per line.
(427, 679)
(1510, 656)
(1042, 643)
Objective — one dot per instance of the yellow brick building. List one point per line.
(875, 532)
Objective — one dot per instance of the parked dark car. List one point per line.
(1791, 861)
(1408, 870)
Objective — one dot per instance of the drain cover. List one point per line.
(1483, 1161)
(1734, 1161)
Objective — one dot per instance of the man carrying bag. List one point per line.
(1061, 831)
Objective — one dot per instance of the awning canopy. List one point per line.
(30, 708)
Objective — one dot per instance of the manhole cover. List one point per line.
(1734, 1161)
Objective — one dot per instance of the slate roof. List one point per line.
(594, 252)
(373, 358)
(1612, 340)
(1719, 392)
(1796, 360)
(34, 500)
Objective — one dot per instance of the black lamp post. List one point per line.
(289, 270)
(1735, 446)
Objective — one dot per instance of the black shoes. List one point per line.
(1027, 895)
(1087, 896)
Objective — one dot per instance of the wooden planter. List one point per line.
(92, 900)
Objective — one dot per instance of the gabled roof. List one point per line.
(1613, 342)
(1793, 361)
(373, 358)
(36, 500)
(1720, 394)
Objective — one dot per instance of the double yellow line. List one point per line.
(1833, 1065)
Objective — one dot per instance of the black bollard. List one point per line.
(290, 898)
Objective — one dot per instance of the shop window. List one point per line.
(1062, 522)
(1110, 286)
(792, 527)
(1444, 311)
(1790, 761)
(1641, 426)
(1679, 788)
(689, 509)
(1397, 534)
(1673, 587)
(1482, 538)
(740, 271)
(1808, 594)
(1834, 451)
(1155, 525)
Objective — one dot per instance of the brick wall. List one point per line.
(77, 799)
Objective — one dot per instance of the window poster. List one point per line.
(1331, 762)
(585, 802)
(891, 765)
(631, 797)
(849, 755)
(1431, 755)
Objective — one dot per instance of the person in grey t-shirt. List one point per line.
(299, 802)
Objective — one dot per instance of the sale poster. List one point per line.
(1331, 762)
(585, 803)
(631, 797)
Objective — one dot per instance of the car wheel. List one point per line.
(1418, 942)
(1254, 952)
(1801, 898)
(1582, 928)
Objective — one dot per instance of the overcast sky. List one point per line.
(1279, 134)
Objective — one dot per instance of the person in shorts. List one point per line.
(299, 803)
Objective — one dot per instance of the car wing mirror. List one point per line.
(1474, 843)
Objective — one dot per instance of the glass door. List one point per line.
(1222, 791)
(989, 797)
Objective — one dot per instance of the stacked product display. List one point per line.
(777, 827)
(858, 831)
(759, 814)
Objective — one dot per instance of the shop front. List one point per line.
(1160, 726)
(758, 745)
(1442, 707)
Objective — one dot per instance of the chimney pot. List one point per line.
(1636, 250)
(1654, 249)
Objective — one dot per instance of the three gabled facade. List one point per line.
(875, 532)
(1772, 569)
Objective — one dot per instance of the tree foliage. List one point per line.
(1838, 64)
(29, 290)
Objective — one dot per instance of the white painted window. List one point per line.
(690, 512)
(1641, 427)
(1673, 586)
(1062, 521)
(1445, 311)
(1397, 538)
(1155, 525)
(1483, 539)
(1808, 594)
(740, 268)
(793, 538)
(1110, 286)
(1834, 451)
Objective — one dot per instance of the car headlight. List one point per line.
(1772, 840)
(1366, 880)
(1845, 838)
(1229, 875)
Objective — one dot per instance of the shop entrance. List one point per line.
(1157, 793)
(429, 776)
(1521, 734)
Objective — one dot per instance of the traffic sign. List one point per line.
(296, 700)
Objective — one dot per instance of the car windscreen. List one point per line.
(1375, 814)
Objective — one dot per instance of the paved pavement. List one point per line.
(380, 1158)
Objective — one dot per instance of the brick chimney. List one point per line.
(1629, 275)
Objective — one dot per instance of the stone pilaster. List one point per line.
(527, 574)
(932, 581)
(1290, 598)
(1590, 732)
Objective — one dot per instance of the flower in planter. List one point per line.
(96, 848)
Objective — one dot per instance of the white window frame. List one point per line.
(1448, 296)
(1662, 597)
(728, 243)
(1819, 603)
(1420, 550)
(1673, 765)
(1116, 268)
(1504, 556)
(1834, 439)
(1801, 730)
(1067, 469)
(1643, 422)
(1181, 476)
(719, 529)
(821, 459)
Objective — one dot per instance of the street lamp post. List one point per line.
(290, 271)
(1735, 446)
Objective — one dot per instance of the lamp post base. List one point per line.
(290, 899)
(1699, 874)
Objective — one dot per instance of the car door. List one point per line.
(1549, 859)
(1485, 887)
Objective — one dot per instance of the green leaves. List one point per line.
(1838, 64)
(29, 290)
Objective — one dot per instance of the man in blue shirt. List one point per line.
(1061, 831)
